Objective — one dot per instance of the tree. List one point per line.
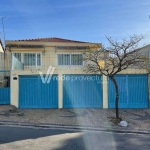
(119, 56)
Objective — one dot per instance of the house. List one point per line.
(1, 47)
(48, 73)
(1, 61)
(4, 90)
(31, 57)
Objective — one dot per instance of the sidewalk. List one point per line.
(138, 119)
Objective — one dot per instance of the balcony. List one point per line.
(42, 61)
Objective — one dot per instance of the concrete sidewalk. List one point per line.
(138, 119)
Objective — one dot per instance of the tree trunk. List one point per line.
(117, 96)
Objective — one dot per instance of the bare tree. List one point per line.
(119, 56)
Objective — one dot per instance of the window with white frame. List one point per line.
(63, 59)
(76, 59)
(32, 59)
(70, 59)
(18, 56)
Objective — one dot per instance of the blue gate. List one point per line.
(4, 95)
(35, 94)
(82, 91)
(133, 91)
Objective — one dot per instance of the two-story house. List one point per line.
(68, 85)
(48, 73)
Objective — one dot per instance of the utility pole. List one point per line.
(3, 29)
(4, 38)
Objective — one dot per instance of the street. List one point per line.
(25, 138)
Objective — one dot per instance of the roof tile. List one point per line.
(52, 39)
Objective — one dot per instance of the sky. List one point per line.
(82, 20)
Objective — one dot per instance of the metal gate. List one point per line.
(82, 91)
(5, 95)
(35, 94)
(4, 87)
(133, 91)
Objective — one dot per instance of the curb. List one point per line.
(81, 128)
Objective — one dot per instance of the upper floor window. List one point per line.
(63, 59)
(76, 59)
(32, 59)
(70, 59)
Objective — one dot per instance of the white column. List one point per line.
(14, 90)
(105, 92)
(60, 91)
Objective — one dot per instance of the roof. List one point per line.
(52, 39)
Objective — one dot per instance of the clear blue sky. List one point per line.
(85, 20)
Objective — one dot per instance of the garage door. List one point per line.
(133, 91)
(82, 91)
(33, 93)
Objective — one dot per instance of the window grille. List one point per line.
(32, 59)
(70, 59)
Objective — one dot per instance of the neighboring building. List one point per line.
(69, 86)
(1, 47)
(146, 51)
(1, 62)
(4, 90)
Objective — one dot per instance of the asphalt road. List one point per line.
(23, 138)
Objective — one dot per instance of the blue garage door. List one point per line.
(133, 91)
(35, 94)
(82, 91)
(4, 95)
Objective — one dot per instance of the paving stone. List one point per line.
(136, 118)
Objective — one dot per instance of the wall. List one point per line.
(60, 72)
(1, 49)
(145, 50)
(1, 46)
(1, 61)
(1, 66)
(49, 59)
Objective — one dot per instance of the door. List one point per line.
(133, 91)
(82, 91)
(33, 93)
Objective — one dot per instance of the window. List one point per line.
(38, 59)
(76, 59)
(18, 56)
(63, 59)
(32, 59)
(70, 59)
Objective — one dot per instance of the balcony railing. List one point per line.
(42, 61)
(16, 64)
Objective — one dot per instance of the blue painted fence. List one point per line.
(82, 91)
(133, 91)
(5, 95)
(35, 94)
